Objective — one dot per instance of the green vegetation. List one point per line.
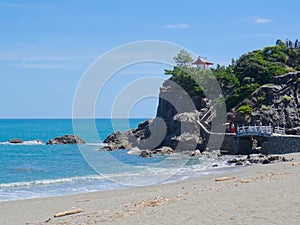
(243, 76)
(287, 98)
(262, 98)
(184, 77)
(265, 107)
(245, 109)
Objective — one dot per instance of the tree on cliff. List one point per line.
(242, 77)
(183, 58)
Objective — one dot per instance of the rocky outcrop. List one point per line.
(136, 138)
(255, 159)
(16, 141)
(65, 139)
(183, 123)
(277, 103)
(176, 126)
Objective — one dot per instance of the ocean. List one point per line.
(33, 169)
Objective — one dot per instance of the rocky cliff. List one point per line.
(183, 123)
(176, 124)
(277, 103)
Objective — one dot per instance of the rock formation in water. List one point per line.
(65, 139)
(16, 141)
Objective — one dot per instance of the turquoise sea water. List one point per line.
(32, 169)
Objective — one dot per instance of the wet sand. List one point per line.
(258, 194)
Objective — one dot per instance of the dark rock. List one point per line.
(165, 150)
(16, 141)
(117, 140)
(273, 158)
(146, 154)
(265, 161)
(285, 160)
(233, 160)
(238, 160)
(138, 137)
(239, 163)
(257, 158)
(65, 139)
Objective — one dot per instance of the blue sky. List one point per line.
(46, 46)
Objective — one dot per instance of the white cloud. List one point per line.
(177, 26)
(260, 20)
(44, 65)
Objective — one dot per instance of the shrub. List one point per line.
(287, 98)
(245, 109)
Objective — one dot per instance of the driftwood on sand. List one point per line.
(70, 212)
(224, 178)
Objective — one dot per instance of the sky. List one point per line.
(47, 46)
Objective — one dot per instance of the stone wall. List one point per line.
(281, 144)
(274, 145)
(228, 145)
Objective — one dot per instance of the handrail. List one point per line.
(259, 130)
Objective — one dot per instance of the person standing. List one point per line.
(232, 129)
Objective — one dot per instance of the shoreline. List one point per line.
(258, 194)
(90, 187)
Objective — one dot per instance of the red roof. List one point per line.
(200, 61)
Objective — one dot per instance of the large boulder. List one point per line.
(65, 139)
(117, 140)
(148, 135)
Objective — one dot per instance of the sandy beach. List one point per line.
(258, 194)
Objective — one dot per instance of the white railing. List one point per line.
(259, 130)
(279, 130)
